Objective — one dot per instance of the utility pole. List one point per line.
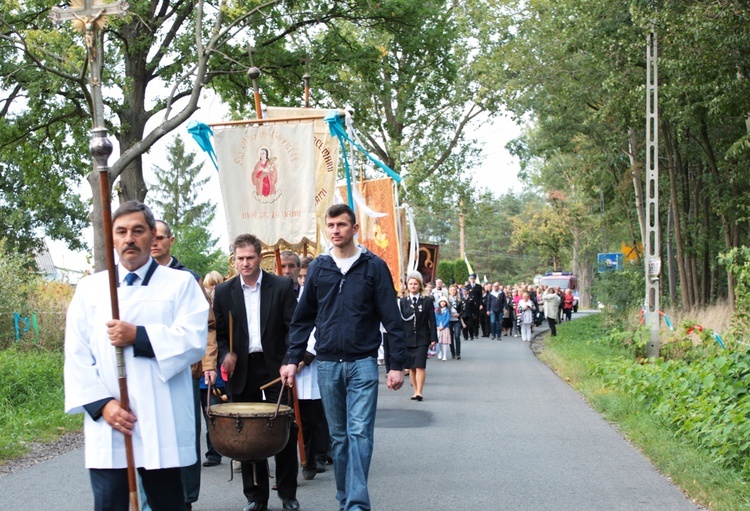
(651, 242)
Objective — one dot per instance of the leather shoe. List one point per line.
(291, 504)
(255, 506)
(320, 467)
(309, 475)
(211, 462)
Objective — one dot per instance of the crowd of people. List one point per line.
(493, 310)
(319, 327)
(437, 318)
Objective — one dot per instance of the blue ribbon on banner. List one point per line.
(336, 127)
(202, 134)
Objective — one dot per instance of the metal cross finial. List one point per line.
(306, 79)
(254, 74)
(90, 16)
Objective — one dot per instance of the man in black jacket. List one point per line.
(348, 294)
(260, 306)
(496, 303)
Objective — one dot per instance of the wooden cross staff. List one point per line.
(89, 17)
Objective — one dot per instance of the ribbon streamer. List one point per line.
(202, 134)
(335, 125)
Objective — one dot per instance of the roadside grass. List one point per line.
(31, 400)
(575, 358)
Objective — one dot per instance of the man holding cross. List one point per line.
(163, 328)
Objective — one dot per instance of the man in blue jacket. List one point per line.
(348, 294)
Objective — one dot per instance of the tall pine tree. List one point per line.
(176, 197)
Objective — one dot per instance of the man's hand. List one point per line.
(395, 379)
(121, 333)
(210, 377)
(229, 363)
(117, 417)
(287, 373)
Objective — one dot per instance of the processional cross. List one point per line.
(89, 17)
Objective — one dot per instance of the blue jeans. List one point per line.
(496, 324)
(349, 391)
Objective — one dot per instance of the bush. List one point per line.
(620, 291)
(445, 272)
(31, 399)
(40, 304)
(17, 279)
(705, 400)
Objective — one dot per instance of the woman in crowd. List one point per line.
(456, 305)
(526, 316)
(551, 306)
(418, 312)
(509, 315)
(568, 300)
(516, 325)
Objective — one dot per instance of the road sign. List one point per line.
(610, 262)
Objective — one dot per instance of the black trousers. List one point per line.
(314, 431)
(551, 322)
(163, 489)
(286, 460)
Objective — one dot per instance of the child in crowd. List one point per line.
(442, 321)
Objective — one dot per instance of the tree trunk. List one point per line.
(674, 160)
(636, 171)
(731, 235)
(671, 270)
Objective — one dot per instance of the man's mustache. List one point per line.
(131, 246)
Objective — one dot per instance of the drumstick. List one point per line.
(274, 382)
(300, 436)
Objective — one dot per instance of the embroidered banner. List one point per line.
(267, 176)
(326, 148)
(380, 235)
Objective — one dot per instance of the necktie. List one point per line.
(130, 278)
(414, 300)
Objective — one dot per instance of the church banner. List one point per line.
(380, 235)
(267, 176)
(326, 148)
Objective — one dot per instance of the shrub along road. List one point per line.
(497, 430)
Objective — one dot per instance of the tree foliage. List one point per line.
(177, 194)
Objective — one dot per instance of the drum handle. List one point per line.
(278, 404)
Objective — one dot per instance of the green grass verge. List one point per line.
(574, 355)
(31, 400)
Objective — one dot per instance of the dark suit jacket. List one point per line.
(495, 305)
(277, 303)
(420, 330)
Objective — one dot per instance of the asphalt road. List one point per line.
(497, 430)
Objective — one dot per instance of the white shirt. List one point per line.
(346, 264)
(252, 311)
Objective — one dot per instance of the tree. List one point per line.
(176, 195)
(157, 61)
